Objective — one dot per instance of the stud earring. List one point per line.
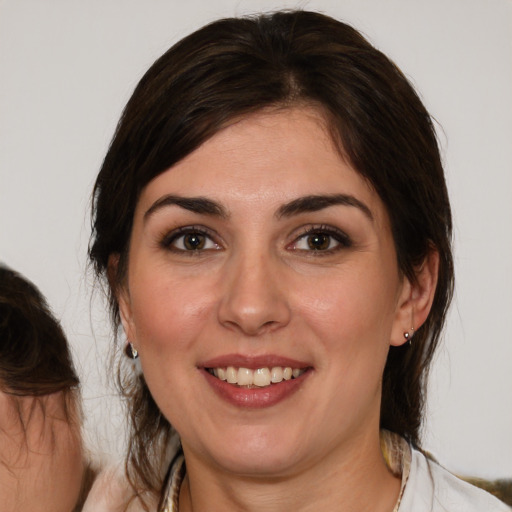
(408, 335)
(131, 351)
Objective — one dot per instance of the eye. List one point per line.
(189, 240)
(321, 239)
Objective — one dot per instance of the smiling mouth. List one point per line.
(258, 378)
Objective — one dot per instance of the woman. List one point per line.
(41, 456)
(273, 222)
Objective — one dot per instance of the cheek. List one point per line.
(69, 465)
(349, 305)
(41, 463)
(169, 314)
(351, 316)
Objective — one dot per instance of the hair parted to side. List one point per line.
(235, 67)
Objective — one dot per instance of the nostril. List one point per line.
(252, 328)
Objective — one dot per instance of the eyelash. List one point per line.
(342, 240)
(169, 240)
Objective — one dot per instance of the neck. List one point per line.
(356, 479)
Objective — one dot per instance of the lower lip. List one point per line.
(255, 398)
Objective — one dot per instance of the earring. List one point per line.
(131, 351)
(408, 336)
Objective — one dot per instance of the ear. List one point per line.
(415, 301)
(122, 293)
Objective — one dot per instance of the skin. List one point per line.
(257, 288)
(41, 463)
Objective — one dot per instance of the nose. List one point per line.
(254, 299)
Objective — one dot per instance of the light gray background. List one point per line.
(66, 70)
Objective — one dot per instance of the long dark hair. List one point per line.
(232, 68)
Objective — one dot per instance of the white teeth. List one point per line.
(261, 377)
(276, 374)
(231, 375)
(245, 377)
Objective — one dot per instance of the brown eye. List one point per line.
(318, 241)
(194, 241)
(321, 239)
(191, 240)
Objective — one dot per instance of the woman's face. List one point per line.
(263, 253)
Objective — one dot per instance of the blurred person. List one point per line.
(41, 455)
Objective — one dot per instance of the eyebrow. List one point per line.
(316, 203)
(312, 203)
(200, 205)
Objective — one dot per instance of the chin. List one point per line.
(259, 465)
(258, 454)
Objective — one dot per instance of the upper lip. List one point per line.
(252, 362)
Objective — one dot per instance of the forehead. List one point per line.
(264, 159)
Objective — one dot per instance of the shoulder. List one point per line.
(431, 488)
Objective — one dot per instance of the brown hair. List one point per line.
(235, 67)
(34, 353)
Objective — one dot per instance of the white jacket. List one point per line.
(431, 488)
